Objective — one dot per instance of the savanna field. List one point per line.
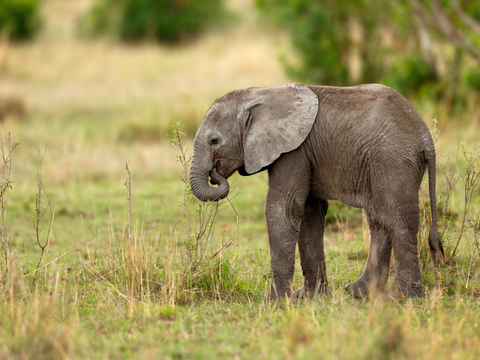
(103, 263)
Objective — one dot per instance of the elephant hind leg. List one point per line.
(375, 274)
(311, 248)
(408, 276)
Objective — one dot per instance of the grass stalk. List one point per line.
(128, 185)
(471, 182)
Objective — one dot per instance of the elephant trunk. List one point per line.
(199, 173)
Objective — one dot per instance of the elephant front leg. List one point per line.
(289, 183)
(282, 265)
(375, 274)
(283, 228)
(311, 248)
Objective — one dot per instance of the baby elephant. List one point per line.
(364, 145)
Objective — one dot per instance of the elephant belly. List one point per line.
(320, 191)
(352, 191)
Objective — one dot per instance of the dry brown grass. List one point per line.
(61, 70)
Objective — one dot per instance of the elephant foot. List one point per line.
(361, 289)
(279, 294)
(398, 291)
(322, 291)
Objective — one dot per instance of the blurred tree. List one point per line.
(326, 33)
(414, 46)
(456, 23)
(19, 19)
(164, 20)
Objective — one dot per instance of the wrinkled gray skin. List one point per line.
(365, 145)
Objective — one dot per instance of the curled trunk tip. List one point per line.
(201, 188)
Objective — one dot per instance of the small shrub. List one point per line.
(164, 20)
(19, 19)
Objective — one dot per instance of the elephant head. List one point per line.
(247, 130)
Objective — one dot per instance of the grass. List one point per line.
(101, 294)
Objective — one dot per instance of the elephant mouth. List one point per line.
(218, 173)
(213, 181)
(242, 171)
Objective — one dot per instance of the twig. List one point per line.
(178, 142)
(41, 210)
(4, 188)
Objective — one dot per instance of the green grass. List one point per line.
(111, 297)
(101, 295)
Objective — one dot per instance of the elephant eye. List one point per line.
(213, 141)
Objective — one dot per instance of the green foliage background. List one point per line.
(19, 19)
(321, 34)
(164, 20)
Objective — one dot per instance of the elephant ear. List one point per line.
(276, 120)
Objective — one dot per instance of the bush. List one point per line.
(19, 19)
(164, 20)
(320, 34)
(409, 74)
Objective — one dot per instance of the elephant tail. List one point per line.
(433, 240)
